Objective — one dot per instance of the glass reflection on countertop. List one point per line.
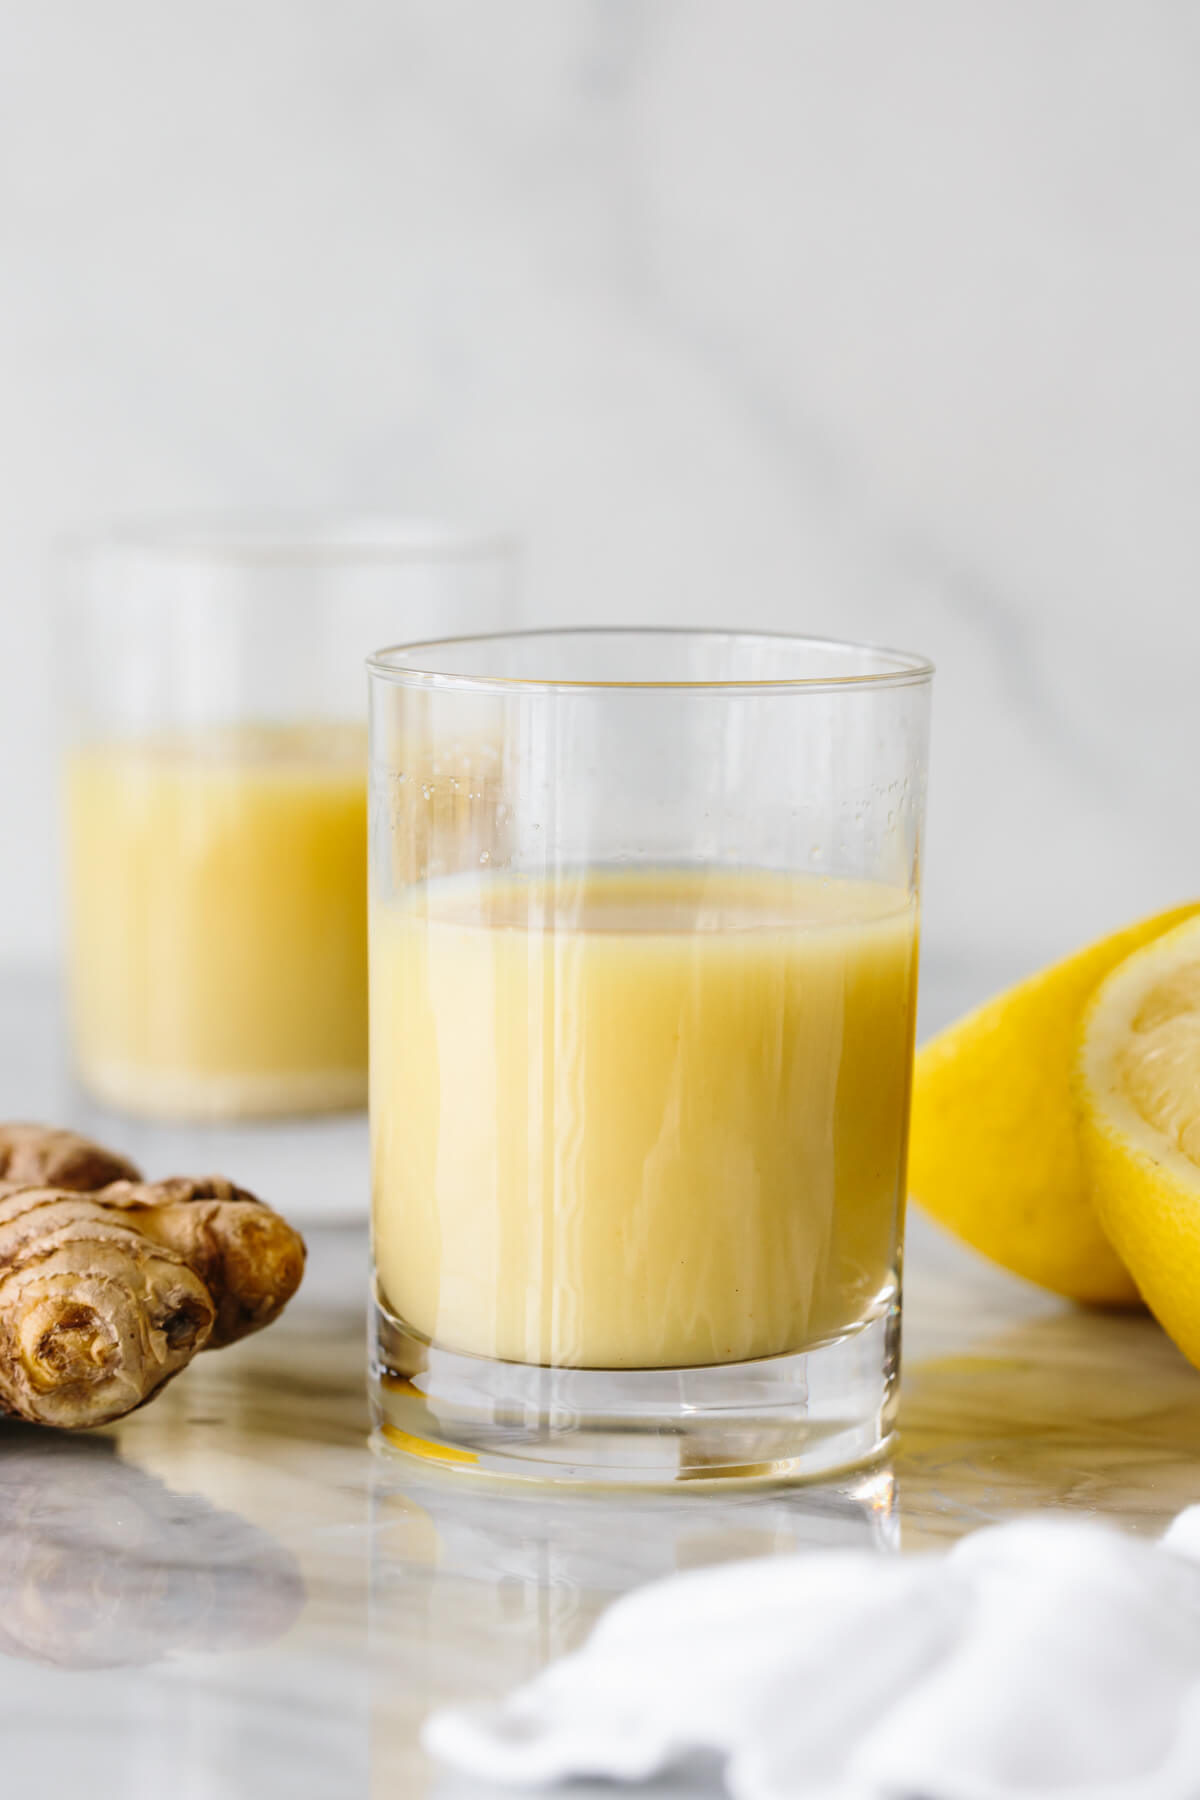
(475, 1584)
(494, 1531)
(102, 1565)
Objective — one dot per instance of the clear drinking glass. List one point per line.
(216, 797)
(643, 942)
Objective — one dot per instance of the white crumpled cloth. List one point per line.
(1045, 1659)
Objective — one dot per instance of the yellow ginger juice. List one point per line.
(640, 1119)
(218, 920)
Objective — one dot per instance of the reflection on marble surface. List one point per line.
(295, 1603)
(463, 1582)
(1096, 1412)
(248, 1486)
(102, 1564)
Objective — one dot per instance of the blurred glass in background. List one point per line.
(216, 796)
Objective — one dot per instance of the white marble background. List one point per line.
(856, 317)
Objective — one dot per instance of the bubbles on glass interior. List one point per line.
(444, 814)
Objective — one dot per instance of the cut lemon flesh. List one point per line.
(1138, 1089)
(995, 1154)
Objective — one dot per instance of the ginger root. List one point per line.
(45, 1156)
(106, 1294)
(248, 1258)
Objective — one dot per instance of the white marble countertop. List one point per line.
(230, 1595)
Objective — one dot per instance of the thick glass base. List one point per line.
(796, 1417)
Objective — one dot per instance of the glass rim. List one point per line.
(279, 537)
(898, 668)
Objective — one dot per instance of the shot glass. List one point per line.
(643, 945)
(216, 798)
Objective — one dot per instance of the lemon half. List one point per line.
(1138, 1088)
(995, 1154)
